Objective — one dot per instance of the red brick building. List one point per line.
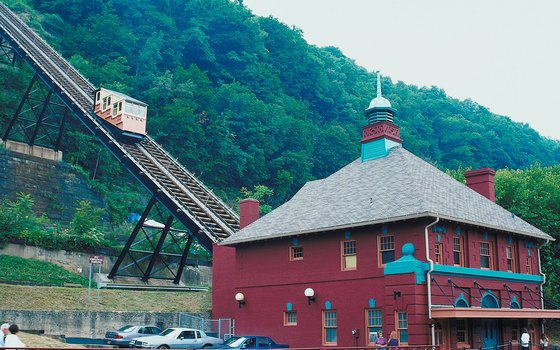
(388, 242)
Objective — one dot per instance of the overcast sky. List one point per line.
(504, 55)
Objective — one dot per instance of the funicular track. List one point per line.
(188, 199)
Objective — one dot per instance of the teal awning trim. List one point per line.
(485, 274)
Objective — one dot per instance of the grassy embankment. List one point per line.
(47, 293)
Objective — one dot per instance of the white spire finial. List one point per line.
(378, 84)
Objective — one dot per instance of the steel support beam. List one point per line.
(61, 129)
(157, 250)
(183, 261)
(40, 118)
(131, 239)
(20, 107)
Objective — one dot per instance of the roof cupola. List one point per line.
(381, 134)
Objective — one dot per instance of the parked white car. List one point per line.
(176, 338)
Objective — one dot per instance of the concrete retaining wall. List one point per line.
(71, 261)
(85, 323)
(79, 262)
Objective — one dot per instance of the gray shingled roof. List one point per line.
(396, 187)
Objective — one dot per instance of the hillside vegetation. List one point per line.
(35, 272)
(244, 100)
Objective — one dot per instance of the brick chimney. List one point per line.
(248, 212)
(482, 181)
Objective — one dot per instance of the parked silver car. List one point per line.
(177, 338)
(122, 337)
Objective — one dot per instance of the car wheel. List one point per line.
(206, 346)
(163, 347)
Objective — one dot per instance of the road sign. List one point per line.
(96, 259)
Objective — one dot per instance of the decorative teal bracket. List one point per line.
(408, 264)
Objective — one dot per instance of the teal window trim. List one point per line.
(461, 301)
(460, 271)
(489, 300)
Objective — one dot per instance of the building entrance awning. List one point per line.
(471, 312)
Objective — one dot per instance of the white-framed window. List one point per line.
(485, 255)
(386, 249)
(438, 256)
(296, 253)
(458, 251)
(529, 265)
(290, 318)
(329, 327)
(402, 326)
(374, 324)
(510, 259)
(349, 256)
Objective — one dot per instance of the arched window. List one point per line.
(489, 301)
(461, 301)
(514, 304)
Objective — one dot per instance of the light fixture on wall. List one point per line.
(240, 298)
(396, 294)
(310, 294)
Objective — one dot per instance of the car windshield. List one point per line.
(235, 342)
(126, 329)
(167, 331)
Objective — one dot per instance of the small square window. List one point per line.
(290, 318)
(296, 253)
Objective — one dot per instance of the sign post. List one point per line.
(93, 259)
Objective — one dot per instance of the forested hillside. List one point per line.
(244, 100)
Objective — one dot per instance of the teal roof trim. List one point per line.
(408, 264)
(485, 274)
(377, 149)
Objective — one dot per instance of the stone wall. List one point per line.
(86, 323)
(55, 186)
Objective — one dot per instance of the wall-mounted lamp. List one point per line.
(240, 297)
(310, 294)
(396, 294)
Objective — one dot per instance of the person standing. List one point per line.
(544, 342)
(12, 340)
(525, 339)
(393, 340)
(5, 331)
(381, 341)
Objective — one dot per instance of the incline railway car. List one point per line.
(122, 111)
